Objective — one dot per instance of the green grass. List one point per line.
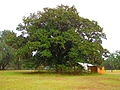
(28, 80)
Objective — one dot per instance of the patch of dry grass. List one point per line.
(28, 80)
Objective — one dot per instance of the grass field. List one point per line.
(28, 80)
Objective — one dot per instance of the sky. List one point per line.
(105, 12)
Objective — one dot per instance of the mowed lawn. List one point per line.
(28, 80)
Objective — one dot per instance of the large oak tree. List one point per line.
(61, 37)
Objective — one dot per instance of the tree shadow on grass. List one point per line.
(37, 72)
(53, 73)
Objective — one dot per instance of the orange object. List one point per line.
(101, 70)
(95, 69)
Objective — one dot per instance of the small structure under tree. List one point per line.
(92, 68)
(96, 69)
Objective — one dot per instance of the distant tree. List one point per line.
(61, 38)
(6, 55)
(9, 47)
(113, 61)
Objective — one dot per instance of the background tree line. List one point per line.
(113, 61)
(60, 38)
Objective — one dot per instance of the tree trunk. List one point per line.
(18, 64)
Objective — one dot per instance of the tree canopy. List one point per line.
(113, 61)
(61, 37)
(6, 52)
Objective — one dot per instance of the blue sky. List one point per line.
(105, 12)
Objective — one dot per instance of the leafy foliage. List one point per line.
(6, 55)
(9, 43)
(113, 61)
(61, 37)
